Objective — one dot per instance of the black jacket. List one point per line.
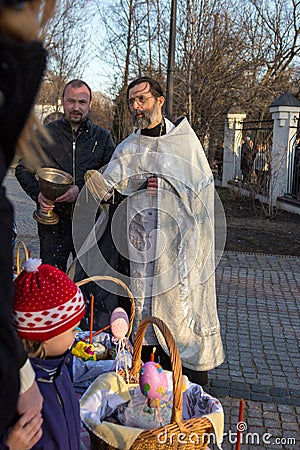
(90, 148)
(21, 69)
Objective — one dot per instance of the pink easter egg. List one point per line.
(119, 323)
(153, 381)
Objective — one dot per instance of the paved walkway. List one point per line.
(258, 302)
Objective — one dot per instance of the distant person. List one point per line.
(23, 60)
(261, 167)
(246, 159)
(219, 159)
(47, 310)
(77, 146)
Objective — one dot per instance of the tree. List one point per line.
(66, 39)
(133, 45)
(225, 56)
(102, 110)
(225, 59)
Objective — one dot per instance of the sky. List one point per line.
(98, 76)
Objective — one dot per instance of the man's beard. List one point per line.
(76, 119)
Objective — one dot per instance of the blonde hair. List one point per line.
(25, 23)
(34, 349)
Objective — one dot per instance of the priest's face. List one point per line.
(145, 109)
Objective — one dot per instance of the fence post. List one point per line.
(285, 111)
(232, 145)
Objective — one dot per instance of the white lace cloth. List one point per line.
(109, 395)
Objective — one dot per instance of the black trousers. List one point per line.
(56, 243)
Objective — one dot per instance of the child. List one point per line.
(47, 309)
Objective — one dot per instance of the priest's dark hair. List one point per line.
(155, 88)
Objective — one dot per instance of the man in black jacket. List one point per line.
(78, 145)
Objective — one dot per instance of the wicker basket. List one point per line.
(20, 245)
(173, 438)
(120, 283)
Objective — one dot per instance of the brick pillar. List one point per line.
(285, 112)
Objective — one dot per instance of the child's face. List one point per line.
(59, 344)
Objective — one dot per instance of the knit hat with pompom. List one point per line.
(47, 302)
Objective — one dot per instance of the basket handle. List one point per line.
(120, 283)
(175, 362)
(18, 255)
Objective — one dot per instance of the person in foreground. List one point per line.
(22, 64)
(77, 145)
(47, 310)
(163, 170)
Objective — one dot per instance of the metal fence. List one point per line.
(255, 153)
(293, 180)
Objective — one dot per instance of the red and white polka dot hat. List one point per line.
(47, 302)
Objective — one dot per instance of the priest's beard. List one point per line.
(147, 118)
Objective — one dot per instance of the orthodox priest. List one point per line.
(163, 172)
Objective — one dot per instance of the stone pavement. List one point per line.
(258, 303)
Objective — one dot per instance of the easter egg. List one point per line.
(119, 323)
(153, 381)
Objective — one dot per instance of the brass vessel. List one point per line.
(53, 183)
